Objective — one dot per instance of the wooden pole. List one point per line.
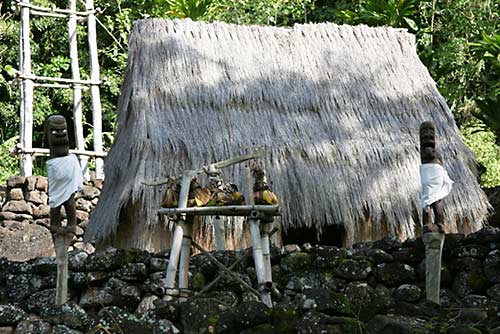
(61, 243)
(224, 269)
(26, 4)
(185, 254)
(238, 261)
(77, 92)
(433, 252)
(180, 227)
(253, 222)
(94, 90)
(26, 105)
(266, 251)
(77, 82)
(220, 233)
(230, 210)
(46, 152)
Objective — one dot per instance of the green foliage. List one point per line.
(194, 9)
(394, 13)
(266, 12)
(7, 162)
(482, 142)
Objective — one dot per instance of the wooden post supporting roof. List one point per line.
(26, 105)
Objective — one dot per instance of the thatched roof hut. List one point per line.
(338, 107)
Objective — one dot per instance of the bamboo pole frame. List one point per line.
(220, 233)
(67, 12)
(230, 210)
(177, 245)
(254, 227)
(94, 88)
(49, 85)
(46, 152)
(58, 80)
(29, 81)
(26, 105)
(225, 270)
(77, 92)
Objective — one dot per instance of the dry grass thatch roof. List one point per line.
(339, 108)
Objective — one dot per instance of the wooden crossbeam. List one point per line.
(32, 77)
(64, 12)
(46, 152)
(229, 210)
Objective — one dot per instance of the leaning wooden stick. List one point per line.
(65, 178)
(205, 169)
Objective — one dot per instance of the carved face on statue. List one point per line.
(58, 136)
(428, 143)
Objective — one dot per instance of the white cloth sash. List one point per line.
(65, 178)
(435, 182)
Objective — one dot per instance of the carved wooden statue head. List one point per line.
(57, 136)
(428, 143)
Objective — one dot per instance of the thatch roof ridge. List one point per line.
(337, 106)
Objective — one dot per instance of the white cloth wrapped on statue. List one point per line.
(436, 184)
(65, 178)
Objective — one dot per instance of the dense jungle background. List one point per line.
(458, 41)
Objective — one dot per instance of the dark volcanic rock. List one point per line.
(491, 266)
(484, 236)
(319, 323)
(325, 301)
(118, 320)
(132, 272)
(79, 280)
(388, 244)
(33, 325)
(296, 262)
(198, 314)
(61, 329)
(494, 292)
(353, 269)
(44, 265)
(203, 264)
(470, 250)
(377, 256)
(111, 259)
(314, 279)
(127, 297)
(68, 314)
(327, 257)
(407, 255)
(77, 260)
(395, 273)
(41, 299)
(408, 293)
(382, 324)
(469, 282)
(10, 315)
(22, 286)
(95, 298)
(468, 264)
